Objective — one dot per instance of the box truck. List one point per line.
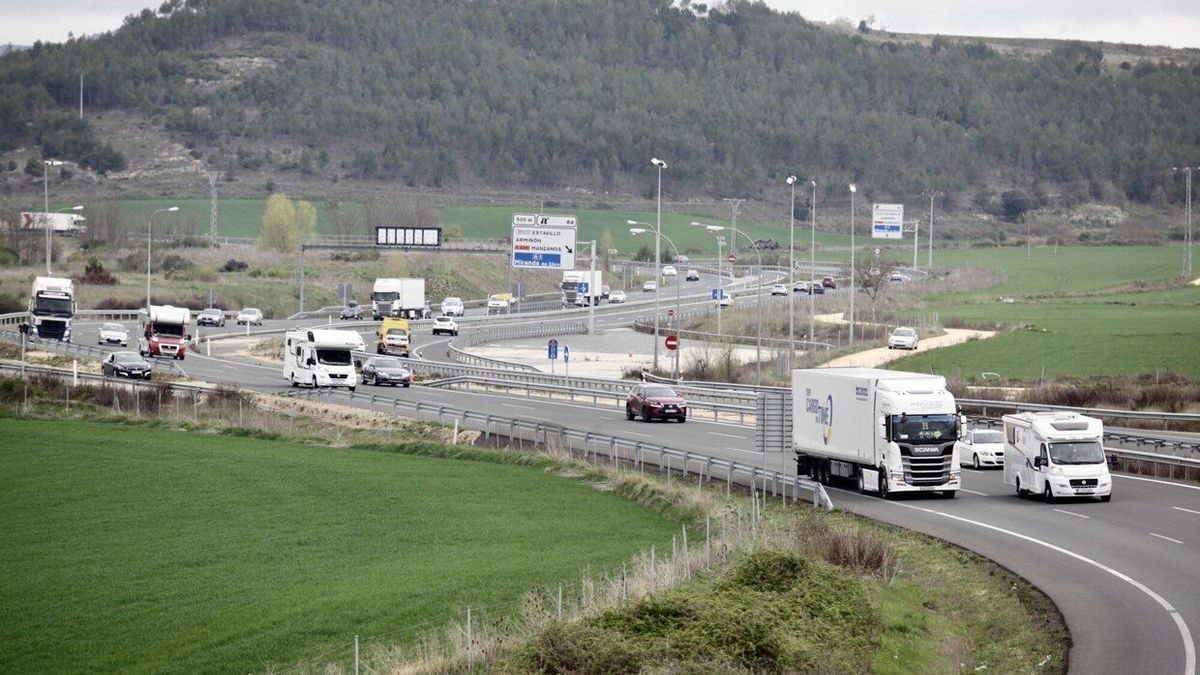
(51, 307)
(320, 358)
(1056, 454)
(404, 298)
(68, 224)
(886, 431)
(164, 331)
(581, 288)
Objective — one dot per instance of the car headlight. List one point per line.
(1055, 471)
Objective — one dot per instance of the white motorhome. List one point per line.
(51, 307)
(321, 358)
(1056, 454)
(885, 430)
(164, 331)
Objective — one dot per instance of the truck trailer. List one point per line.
(164, 331)
(320, 358)
(51, 307)
(402, 298)
(581, 288)
(67, 224)
(886, 431)
(1056, 454)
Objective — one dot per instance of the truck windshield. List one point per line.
(1077, 452)
(924, 428)
(52, 307)
(389, 296)
(333, 357)
(169, 329)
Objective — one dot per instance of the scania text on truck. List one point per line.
(68, 224)
(320, 358)
(1056, 454)
(404, 298)
(164, 331)
(887, 431)
(51, 306)
(394, 337)
(581, 288)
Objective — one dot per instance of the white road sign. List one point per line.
(887, 221)
(543, 247)
(524, 219)
(556, 221)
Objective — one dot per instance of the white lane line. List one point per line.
(1180, 508)
(1189, 647)
(717, 433)
(1077, 515)
(1161, 482)
(981, 494)
(518, 405)
(634, 433)
(1161, 536)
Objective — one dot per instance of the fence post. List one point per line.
(470, 654)
(560, 601)
(355, 655)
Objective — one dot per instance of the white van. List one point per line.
(321, 358)
(1056, 454)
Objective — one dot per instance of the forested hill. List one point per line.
(584, 92)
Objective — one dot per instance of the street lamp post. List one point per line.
(640, 230)
(758, 298)
(660, 165)
(853, 189)
(149, 230)
(812, 270)
(46, 204)
(791, 181)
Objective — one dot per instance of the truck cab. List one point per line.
(165, 331)
(320, 358)
(394, 337)
(51, 307)
(1056, 455)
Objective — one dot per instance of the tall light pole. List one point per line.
(46, 204)
(853, 189)
(660, 165)
(641, 230)
(932, 194)
(812, 270)
(758, 299)
(791, 180)
(149, 230)
(1187, 233)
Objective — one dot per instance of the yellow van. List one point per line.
(394, 337)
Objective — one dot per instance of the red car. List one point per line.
(829, 282)
(655, 401)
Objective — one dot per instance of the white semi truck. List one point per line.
(886, 431)
(402, 298)
(581, 288)
(68, 224)
(51, 307)
(321, 358)
(1056, 454)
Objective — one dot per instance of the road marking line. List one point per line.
(1077, 515)
(634, 433)
(1180, 508)
(981, 494)
(518, 405)
(1189, 647)
(1163, 482)
(1160, 536)
(717, 433)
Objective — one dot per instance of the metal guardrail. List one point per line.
(88, 351)
(639, 453)
(483, 335)
(1017, 406)
(1149, 464)
(1123, 437)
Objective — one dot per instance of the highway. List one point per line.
(1124, 573)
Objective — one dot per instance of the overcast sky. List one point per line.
(1160, 22)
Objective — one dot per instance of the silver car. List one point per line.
(113, 334)
(903, 338)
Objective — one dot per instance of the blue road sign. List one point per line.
(718, 293)
(583, 287)
(528, 259)
(552, 349)
(566, 354)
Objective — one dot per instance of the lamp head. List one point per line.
(813, 183)
(78, 207)
(853, 187)
(658, 162)
(714, 228)
(637, 230)
(791, 180)
(173, 208)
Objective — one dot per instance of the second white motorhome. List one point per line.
(320, 358)
(1056, 454)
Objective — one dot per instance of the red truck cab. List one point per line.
(165, 332)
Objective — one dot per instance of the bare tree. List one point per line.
(871, 274)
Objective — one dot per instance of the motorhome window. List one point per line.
(333, 357)
(924, 428)
(52, 306)
(1012, 435)
(170, 329)
(1077, 452)
(989, 437)
(388, 296)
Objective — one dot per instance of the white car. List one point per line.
(113, 334)
(650, 286)
(903, 338)
(779, 289)
(692, 275)
(981, 447)
(498, 303)
(617, 296)
(452, 307)
(250, 316)
(445, 325)
(725, 301)
(896, 276)
(670, 271)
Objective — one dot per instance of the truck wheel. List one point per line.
(862, 486)
(884, 493)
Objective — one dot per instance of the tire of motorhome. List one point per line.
(1048, 494)
(1106, 498)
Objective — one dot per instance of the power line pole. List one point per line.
(1187, 232)
(735, 204)
(81, 94)
(932, 194)
(213, 177)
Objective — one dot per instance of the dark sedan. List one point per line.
(381, 370)
(125, 364)
(655, 401)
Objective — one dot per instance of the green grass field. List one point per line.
(1084, 318)
(132, 549)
